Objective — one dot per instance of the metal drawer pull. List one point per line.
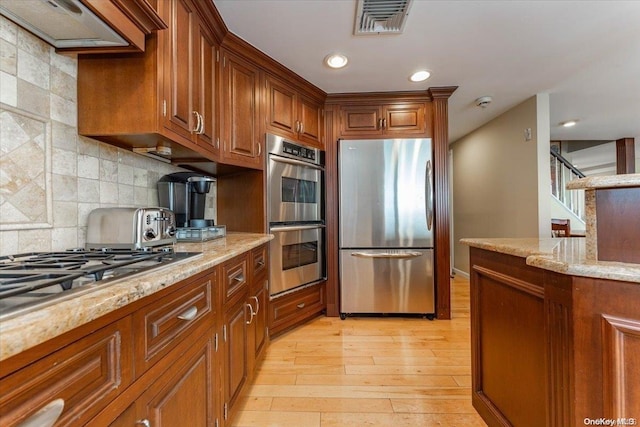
(257, 304)
(190, 314)
(260, 263)
(252, 314)
(144, 422)
(46, 416)
(239, 278)
(301, 305)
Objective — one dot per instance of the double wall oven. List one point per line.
(295, 214)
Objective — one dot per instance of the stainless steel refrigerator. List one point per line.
(386, 226)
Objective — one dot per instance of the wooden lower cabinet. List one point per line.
(85, 376)
(180, 357)
(182, 394)
(258, 338)
(258, 331)
(551, 349)
(295, 308)
(235, 355)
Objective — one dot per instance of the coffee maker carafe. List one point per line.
(185, 194)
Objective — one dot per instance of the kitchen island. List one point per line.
(555, 333)
(174, 344)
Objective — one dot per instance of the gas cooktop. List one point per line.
(33, 278)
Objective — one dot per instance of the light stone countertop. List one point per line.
(610, 181)
(562, 255)
(25, 329)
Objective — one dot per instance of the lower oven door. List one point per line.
(296, 256)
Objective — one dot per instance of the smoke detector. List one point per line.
(378, 17)
(483, 101)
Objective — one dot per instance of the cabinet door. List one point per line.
(184, 394)
(259, 300)
(311, 122)
(85, 375)
(179, 69)
(206, 91)
(258, 328)
(235, 353)
(240, 144)
(361, 120)
(281, 109)
(404, 119)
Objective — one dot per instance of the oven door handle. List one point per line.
(284, 228)
(296, 162)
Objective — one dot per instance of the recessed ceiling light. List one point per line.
(336, 60)
(569, 123)
(420, 76)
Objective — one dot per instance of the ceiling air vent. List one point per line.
(381, 16)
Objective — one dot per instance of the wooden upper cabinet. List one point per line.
(360, 120)
(178, 68)
(240, 141)
(291, 114)
(207, 89)
(191, 84)
(311, 115)
(167, 95)
(395, 120)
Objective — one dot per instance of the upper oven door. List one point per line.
(294, 190)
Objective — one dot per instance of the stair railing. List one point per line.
(562, 171)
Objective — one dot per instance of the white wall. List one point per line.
(500, 181)
(50, 177)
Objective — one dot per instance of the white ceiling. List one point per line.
(585, 54)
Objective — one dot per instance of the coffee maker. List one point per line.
(185, 194)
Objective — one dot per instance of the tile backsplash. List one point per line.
(50, 177)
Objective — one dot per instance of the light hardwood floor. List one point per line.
(385, 371)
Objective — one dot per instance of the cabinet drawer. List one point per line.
(234, 277)
(295, 308)
(86, 375)
(161, 326)
(259, 261)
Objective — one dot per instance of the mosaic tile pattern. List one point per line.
(51, 177)
(25, 171)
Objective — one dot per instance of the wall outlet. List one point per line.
(527, 134)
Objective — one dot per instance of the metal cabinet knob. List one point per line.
(145, 423)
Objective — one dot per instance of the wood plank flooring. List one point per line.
(366, 371)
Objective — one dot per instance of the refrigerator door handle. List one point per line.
(429, 196)
(394, 255)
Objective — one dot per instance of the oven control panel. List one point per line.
(299, 151)
(278, 146)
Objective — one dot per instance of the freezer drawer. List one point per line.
(386, 281)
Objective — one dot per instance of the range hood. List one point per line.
(61, 23)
